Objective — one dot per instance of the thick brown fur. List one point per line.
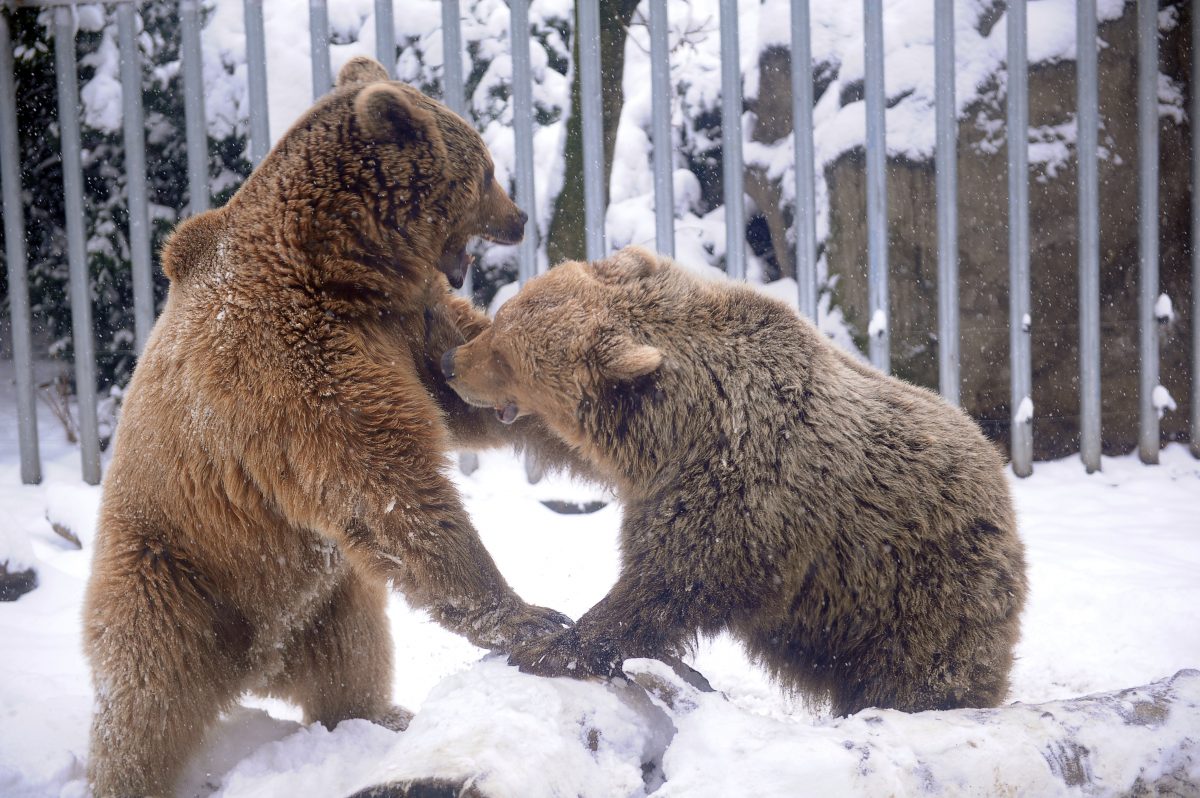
(283, 444)
(854, 531)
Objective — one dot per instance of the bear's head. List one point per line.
(407, 179)
(573, 334)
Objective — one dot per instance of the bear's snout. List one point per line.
(509, 230)
(448, 363)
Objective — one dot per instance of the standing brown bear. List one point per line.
(282, 452)
(856, 532)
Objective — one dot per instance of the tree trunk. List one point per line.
(567, 236)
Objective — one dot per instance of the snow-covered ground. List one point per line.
(1114, 603)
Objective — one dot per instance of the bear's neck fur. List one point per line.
(709, 390)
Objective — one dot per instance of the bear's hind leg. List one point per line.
(340, 665)
(165, 663)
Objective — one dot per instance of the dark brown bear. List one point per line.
(283, 445)
(856, 532)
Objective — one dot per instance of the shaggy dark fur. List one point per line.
(855, 531)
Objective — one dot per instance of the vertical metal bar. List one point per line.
(1194, 427)
(731, 143)
(947, 202)
(318, 37)
(802, 140)
(660, 84)
(1147, 105)
(14, 250)
(877, 214)
(452, 73)
(385, 36)
(193, 105)
(452, 95)
(80, 287)
(256, 78)
(1089, 237)
(523, 136)
(1018, 241)
(592, 107)
(135, 175)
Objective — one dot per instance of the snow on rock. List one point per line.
(16, 579)
(16, 552)
(495, 732)
(299, 763)
(1024, 412)
(878, 325)
(1162, 400)
(510, 734)
(1163, 310)
(1136, 741)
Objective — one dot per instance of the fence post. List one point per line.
(452, 74)
(591, 103)
(802, 142)
(452, 95)
(1089, 237)
(135, 175)
(660, 80)
(318, 38)
(879, 329)
(523, 137)
(14, 250)
(731, 143)
(1021, 409)
(80, 286)
(1147, 107)
(256, 79)
(1194, 427)
(947, 202)
(385, 36)
(193, 105)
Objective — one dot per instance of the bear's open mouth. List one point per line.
(455, 265)
(507, 413)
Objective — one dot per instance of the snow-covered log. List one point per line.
(493, 731)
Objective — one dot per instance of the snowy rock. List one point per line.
(15, 581)
(499, 732)
(1024, 412)
(982, 195)
(1162, 400)
(878, 324)
(1163, 311)
(495, 732)
(1136, 741)
(17, 574)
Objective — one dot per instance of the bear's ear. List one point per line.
(386, 114)
(361, 69)
(628, 264)
(625, 359)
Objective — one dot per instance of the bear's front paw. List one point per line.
(567, 654)
(517, 624)
(534, 623)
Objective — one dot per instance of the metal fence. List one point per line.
(588, 24)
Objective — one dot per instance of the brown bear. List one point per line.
(854, 531)
(283, 447)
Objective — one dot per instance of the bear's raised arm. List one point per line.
(382, 495)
